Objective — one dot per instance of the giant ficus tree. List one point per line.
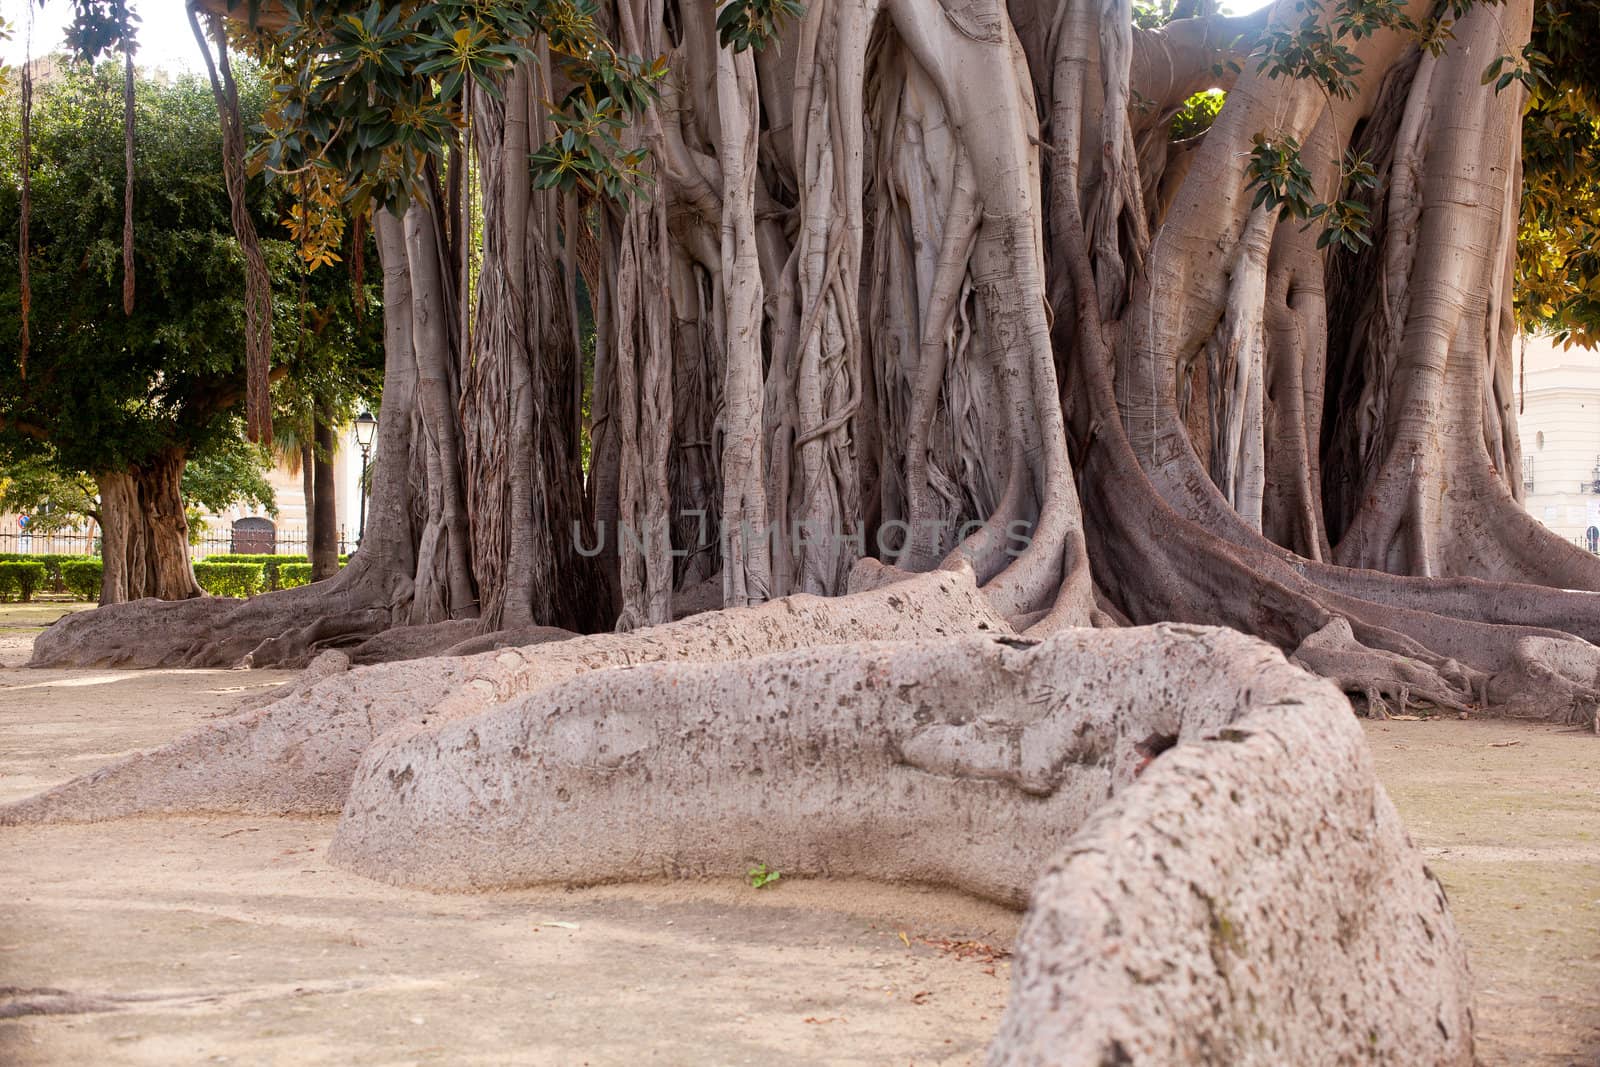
(931, 281)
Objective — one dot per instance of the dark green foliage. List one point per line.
(1314, 48)
(230, 579)
(1278, 176)
(743, 24)
(1347, 220)
(82, 577)
(19, 579)
(373, 92)
(110, 391)
(1308, 50)
(1530, 71)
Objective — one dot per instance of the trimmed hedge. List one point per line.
(81, 575)
(271, 565)
(52, 561)
(20, 578)
(230, 579)
(293, 574)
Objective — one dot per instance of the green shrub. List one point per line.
(19, 579)
(293, 574)
(230, 579)
(271, 565)
(52, 566)
(55, 579)
(81, 574)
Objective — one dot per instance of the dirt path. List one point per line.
(1509, 817)
(230, 940)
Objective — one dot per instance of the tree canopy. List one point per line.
(103, 390)
(1558, 247)
(109, 390)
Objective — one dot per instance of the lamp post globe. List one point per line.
(366, 435)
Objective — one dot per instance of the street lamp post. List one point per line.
(366, 434)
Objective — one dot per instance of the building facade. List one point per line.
(245, 528)
(288, 490)
(1560, 433)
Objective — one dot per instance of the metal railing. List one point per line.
(288, 541)
(66, 543)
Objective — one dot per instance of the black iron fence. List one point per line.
(56, 544)
(285, 541)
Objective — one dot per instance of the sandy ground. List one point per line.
(1508, 815)
(230, 940)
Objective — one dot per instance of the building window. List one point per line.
(1527, 474)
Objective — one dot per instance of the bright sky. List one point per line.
(164, 37)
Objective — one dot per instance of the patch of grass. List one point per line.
(37, 614)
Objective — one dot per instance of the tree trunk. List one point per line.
(308, 492)
(324, 533)
(145, 534)
(524, 479)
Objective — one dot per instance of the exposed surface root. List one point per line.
(413, 642)
(1253, 899)
(281, 629)
(295, 647)
(961, 762)
(297, 754)
(454, 637)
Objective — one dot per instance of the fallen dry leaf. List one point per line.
(967, 950)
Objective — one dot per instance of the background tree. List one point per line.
(130, 398)
(228, 471)
(56, 499)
